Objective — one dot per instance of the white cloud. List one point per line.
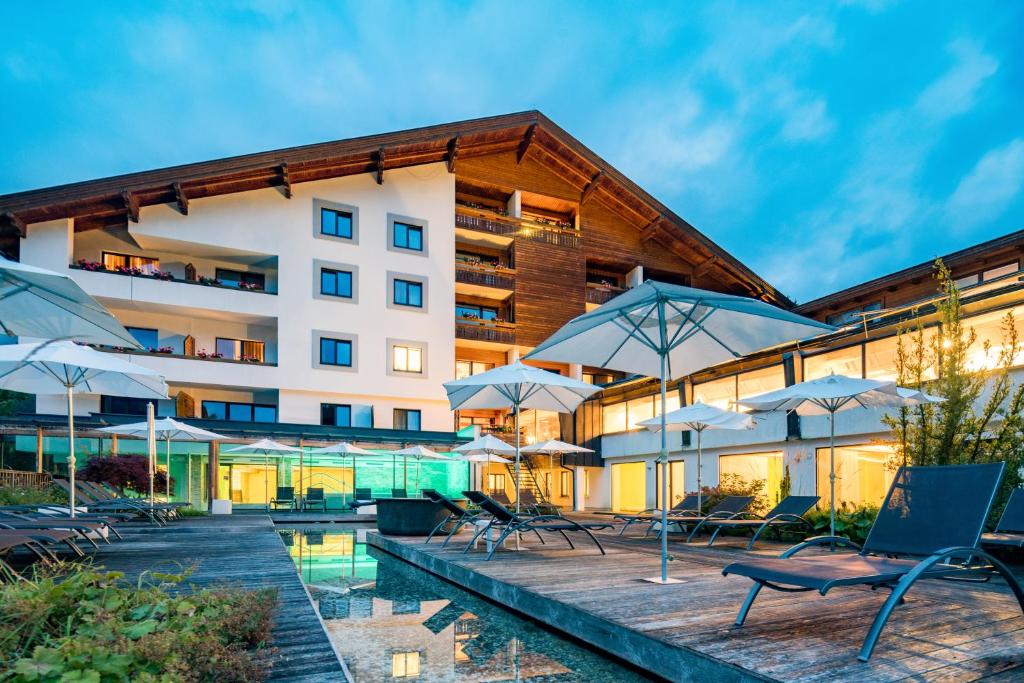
(986, 192)
(955, 92)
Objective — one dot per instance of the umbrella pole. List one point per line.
(405, 473)
(663, 458)
(832, 474)
(167, 459)
(266, 483)
(517, 461)
(150, 450)
(71, 445)
(700, 490)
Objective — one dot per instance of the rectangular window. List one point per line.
(476, 312)
(407, 359)
(862, 475)
(123, 405)
(335, 352)
(336, 283)
(405, 665)
(336, 414)
(408, 236)
(408, 293)
(146, 336)
(565, 484)
(999, 271)
(241, 412)
(241, 349)
(676, 483)
(629, 486)
(720, 393)
(115, 261)
(989, 343)
(241, 279)
(495, 482)
(336, 223)
(766, 468)
(853, 314)
(839, 362)
(613, 417)
(467, 368)
(407, 419)
(755, 382)
(640, 409)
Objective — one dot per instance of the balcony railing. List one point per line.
(477, 329)
(486, 276)
(94, 267)
(482, 220)
(600, 294)
(200, 355)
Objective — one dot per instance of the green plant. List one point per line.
(17, 495)
(125, 471)
(730, 484)
(192, 512)
(85, 624)
(853, 523)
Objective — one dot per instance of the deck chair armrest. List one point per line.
(543, 518)
(723, 515)
(786, 517)
(818, 541)
(684, 513)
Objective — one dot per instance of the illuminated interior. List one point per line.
(756, 466)
(629, 486)
(676, 483)
(862, 475)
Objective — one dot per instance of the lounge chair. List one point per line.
(141, 508)
(501, 497)
(928, 527)
(107, 493)
(12, 540)
(688, 505)
(787, 514)
(285, 496)
(528, 502)
(85, 529)
(399, 493)
(314, 498)
(727, 507)
(360, 498)
(509, 523)
(1009, 531)
(458, 516)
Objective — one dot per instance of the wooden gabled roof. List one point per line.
(96, 203)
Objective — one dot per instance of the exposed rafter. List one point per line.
(12, 220)
(179, 196)
(591, 186)
(453, 152)
(524, 146)
(379, 163)
(131, 205)
(705, 265)
(286, 180)
(650, 229)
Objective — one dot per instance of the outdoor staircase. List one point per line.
(527, 479)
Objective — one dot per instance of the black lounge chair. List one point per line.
(314, 498)
(529, 503)
(285, 496)
(501, 497)
(727, 507)
(399, 493)
(458, 516)
(687, 504)
(360, 498)
(1009, 532)
(510, 523)
(140, 508)
(928, 527)
(787, 514)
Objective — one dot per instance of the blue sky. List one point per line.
(822, 144)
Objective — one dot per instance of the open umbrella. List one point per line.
(420, 452)
(63, 367)
(669, 331)
(697, 418)
(518, 386)
(40, 303)
(487, 448)
(265, 447)
(827, 396)
(167, 429)
(341, 448)
(553, 447)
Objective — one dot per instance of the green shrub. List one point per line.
(192, 512)
(92, 625)
(735, 485)
(853, 523)
(16, 495)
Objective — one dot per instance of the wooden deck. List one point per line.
(240, 551)
(684, 632)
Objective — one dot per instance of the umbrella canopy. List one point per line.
(662, 330)
(63, 367)
(554, 447)
(165, 428)
(483, 457)
(488, 443)
(421, 452)
(343, 448)
(41, 303)
(697, 418)
(263, 447)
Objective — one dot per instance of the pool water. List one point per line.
(390, 620)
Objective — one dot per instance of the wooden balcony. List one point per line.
(485, 276)
(476, 329)
(482, 220)
(601, 294)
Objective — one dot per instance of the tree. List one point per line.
(980, 419)
(124, 471)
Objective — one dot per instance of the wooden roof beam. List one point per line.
(591, 186)
(286, 180)
(131, 205)
(524, 146)
(15, 222)
(453, 152)
(650, 230)
(379, 162)
(704, 266)
(181, 199)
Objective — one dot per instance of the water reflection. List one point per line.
(390, 620)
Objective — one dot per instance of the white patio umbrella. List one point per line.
(265, 447)
(341, 448)
(553, 447)
(669, 331)
(420, 453)
(485, 449)
(63, 367)
(827, 396)
(518, 386)
(697, 418)
(167, 429)
(40, 303)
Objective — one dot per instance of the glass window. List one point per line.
(407, 419)
(853, 314)
(988, 329)
(1000, 271)
(408, 293)
(407, 359)
(408, 236)
(862, 475)
(880, 356)
(565, 483)
(466, 368)
(846, 362)
(751, 467)
(147, 337)
(143, 264)
(405, 665)
(242, 412)
(123, 405)
(241, 279)
(613, 417)
(241, 349)
(967, 280)
(495, 482)
(720, 393)
(676, 483)
(629, 486)
(335, 415)
(336, 223)
(640, 409)
(671, 402)
(476, 312)
(264, 413)
(335, 352)
(336, 283)
(755, 382)
(215, 410)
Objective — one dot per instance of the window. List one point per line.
(596, 378)
(613, 417)
(147, 337)
(676, 483)
(624, 416)
(408, 236)
(990, 274)
(565, 484)
(241, 279)
(852, 314)
(408, 293)
(405, 664)
(115, 261)
(764, 467)
(336, 283)
(495, 482)
(336, 415)
(467, 368)
(241, 412)
(839, 362)
(629, 486)
(755, 382)
(336, 352)
(336, 223)
(720, 393)
(122, 405)
(640, 409)
(407, 359)
(862, 477)
(476, 312)
(407, 419)
(241, 349)
(989, 328)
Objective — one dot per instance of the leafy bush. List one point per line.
(853, 523)
(124, 471)
(91, 625)
(16, 495)
(734, 485)
(192, 512)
